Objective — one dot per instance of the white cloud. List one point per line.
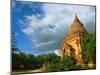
(56, 52)
(61, 16)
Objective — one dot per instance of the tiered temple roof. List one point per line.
(77, 29)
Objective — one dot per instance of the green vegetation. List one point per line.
(66, 64)
(14, 44)
(51, 63)
(27, 62)
(89, 48)
(63, 65)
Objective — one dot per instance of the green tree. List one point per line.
(15, 49)
(14, 44)
(89, 48)
(66, 64)
(47, 58)
(52, 58)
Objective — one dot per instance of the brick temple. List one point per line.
(71, 44)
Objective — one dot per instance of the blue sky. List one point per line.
(41, 27)
(19, 10)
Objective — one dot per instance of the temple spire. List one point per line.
(76, 18)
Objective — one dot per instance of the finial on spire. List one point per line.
(76, 17)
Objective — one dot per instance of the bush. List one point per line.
(66, 64)
(89, 48)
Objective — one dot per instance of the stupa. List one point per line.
(71, 44)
